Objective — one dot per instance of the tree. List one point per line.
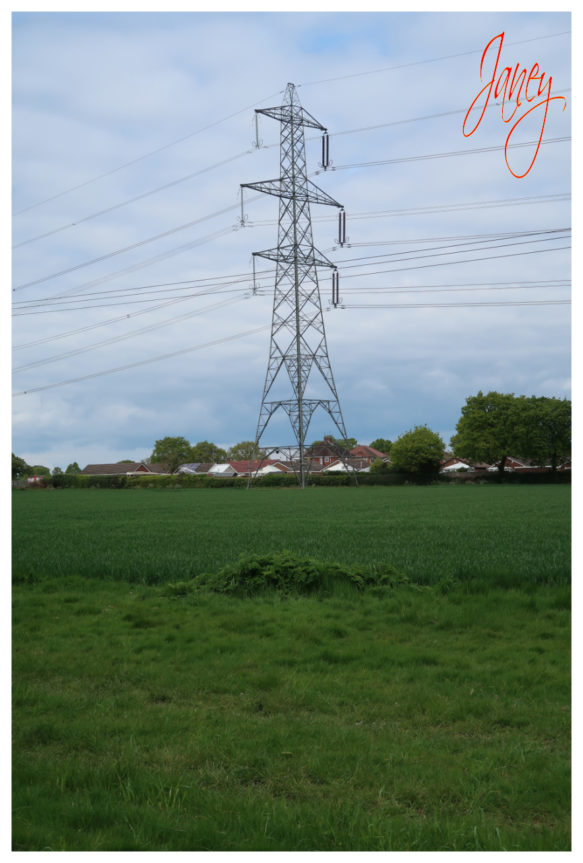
(380, 466)
(418, 452)
(382, 444)
(490, 428)
(246, 450)
(73, 468)
(205, 452)
(40, 470)
(171, 452)
(57, 471)
(20, 468)
(546, 430)
(344, 443)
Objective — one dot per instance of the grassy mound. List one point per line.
(289, 574)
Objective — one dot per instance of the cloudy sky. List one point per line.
(133, 311)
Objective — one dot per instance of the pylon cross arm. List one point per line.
(281, 188)
(292, 114)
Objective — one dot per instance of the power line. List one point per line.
(430, 60)
(180, 298)
(143, 362)
(260, 102)
(124, 336)
(452, 263)
(459, 305)
(187, 177)
(347, 265)
(23, 307)
(129, 248)
(469, 238)
(144, 156)
(235, 206)
(140, 243)
(130, 200)
(424, 157)
(240, 277)
(431, 209)
(449, 289)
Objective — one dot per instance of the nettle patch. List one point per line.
(289, 574)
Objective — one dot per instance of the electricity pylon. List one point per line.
(298, 350)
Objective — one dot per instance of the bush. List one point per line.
(289, 574)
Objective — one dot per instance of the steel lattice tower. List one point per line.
(298, 350)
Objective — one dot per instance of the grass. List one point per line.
(510, 534)
(429, 716)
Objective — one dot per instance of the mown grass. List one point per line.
(509, 535)
(433, 715)
(417, 721)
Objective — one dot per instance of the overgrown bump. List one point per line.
(288, 573)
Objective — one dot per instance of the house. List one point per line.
(194, 468)
(124, 468)
(367, 453)
(324, 454)
(456, 464)
(512, 464)
(222, 470)
(348, 466)
(259, 467)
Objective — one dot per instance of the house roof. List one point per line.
(190, 467)
(246, 466)
(123, 468)
(223, 469)
(319, 450)
(363, 451)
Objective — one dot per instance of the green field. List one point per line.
(510, 534)
(434, 715)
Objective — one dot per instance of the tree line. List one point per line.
(491, 428)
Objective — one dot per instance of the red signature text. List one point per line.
(521, 96)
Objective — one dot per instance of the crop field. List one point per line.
(509, 534)
(156, 709)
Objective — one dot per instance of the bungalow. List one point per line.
(222, 470)
(512, 464)
(455, 464)
(339, 466)
(259, 467)
(124, 468)
(194, 468)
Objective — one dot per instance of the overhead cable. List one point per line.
(143, 362)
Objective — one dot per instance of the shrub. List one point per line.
(290, 574)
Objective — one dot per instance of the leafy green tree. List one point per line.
(57, 471)
(39, 470)
(380, 466)
(245, 450)
(205, 452)
(344, 443)
(546, 430)
(490, 428)
(20, 468)
(418, 452)
(73, 468)
(171, 452)
(382, 444)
